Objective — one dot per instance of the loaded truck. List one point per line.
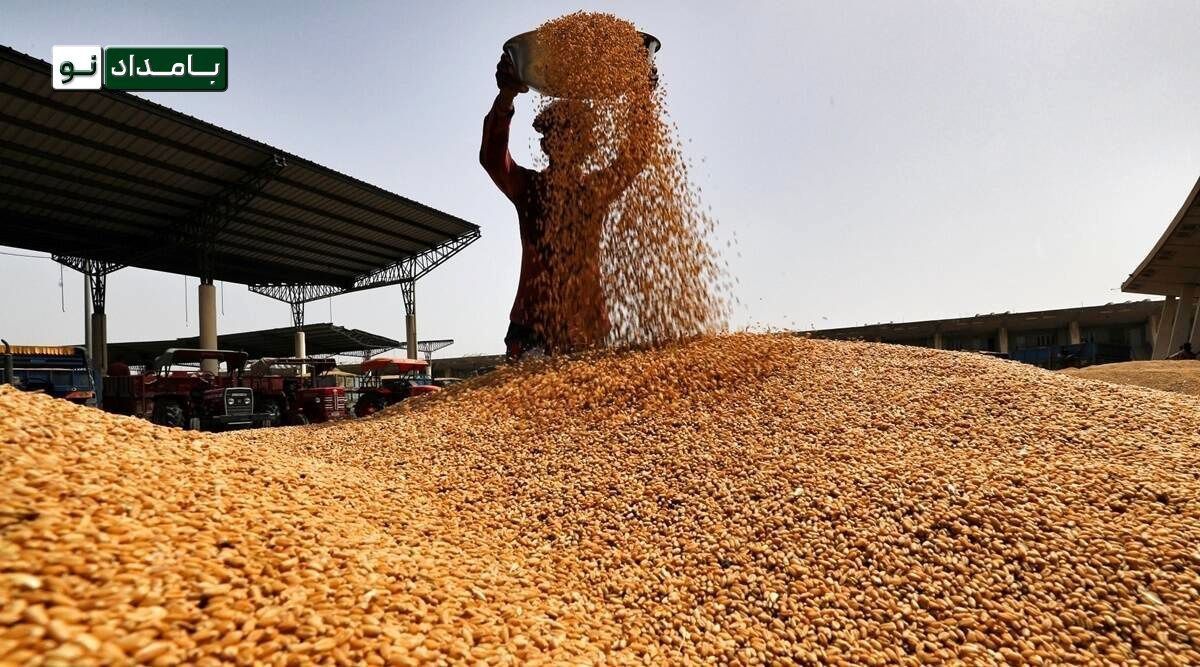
(176, 391)
(61, 371)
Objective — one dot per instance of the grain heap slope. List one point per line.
(1181, 377)
(122, 541)
(747, 498)
(741, 499)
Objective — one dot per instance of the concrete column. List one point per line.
(298, 350)
(1182, 328)
(298, 345)
(208, 322)
(1073, 336)
(410, 326)
(937, 341)
(1162, 333)
(1002, 340)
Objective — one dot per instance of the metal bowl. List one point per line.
(525, 54)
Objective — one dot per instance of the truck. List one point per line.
(296, 398)
(61, 371)
(389, 380)
(187, 397)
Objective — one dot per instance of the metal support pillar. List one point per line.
(207, 293)
(410, 316)
(1073, 335)
(1002, 340)
(95, 274)
(99, 330)
(1162, 334)
(1182, 326)
(87, 314)
(938, 344)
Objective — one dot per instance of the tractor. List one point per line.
(187, 397)
(387, 381)
(295, 398)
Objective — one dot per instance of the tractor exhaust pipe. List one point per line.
(8, 363)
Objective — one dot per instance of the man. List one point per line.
(535, 320)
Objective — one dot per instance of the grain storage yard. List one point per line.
(764, 499)
(629, 483)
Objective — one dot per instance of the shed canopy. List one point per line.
(1175, 259)
(319, 340)
(107, 176)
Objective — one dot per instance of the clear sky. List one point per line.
(875, 161)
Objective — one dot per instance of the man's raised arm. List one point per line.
(493, 150)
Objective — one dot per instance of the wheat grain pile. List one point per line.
(737, 500)
(630, 260)
(1182, 377)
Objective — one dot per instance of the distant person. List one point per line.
(529, 320)
(1185, 352)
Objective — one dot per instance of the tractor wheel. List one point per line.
(168, 413)
(299, 419)
(274, 411)
(369, 405)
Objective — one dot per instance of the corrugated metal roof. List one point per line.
(110, 176)
(321, 339)
(1175, 260)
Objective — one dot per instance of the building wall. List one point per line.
(1135, 334)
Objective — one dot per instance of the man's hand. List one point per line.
(506, 77)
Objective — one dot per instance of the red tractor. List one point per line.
(296, 398)
(187, 397)
(387, 381)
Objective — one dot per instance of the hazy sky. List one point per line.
(879, 161)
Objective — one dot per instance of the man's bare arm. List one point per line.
(493, 149)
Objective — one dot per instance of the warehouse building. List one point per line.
(1172, 270)
(1117, 329)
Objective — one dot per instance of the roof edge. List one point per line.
(1162, 240)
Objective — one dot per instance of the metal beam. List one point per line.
(97, 270)
(404, 271)
(408, 290)
(204, 227)
(428, 347)
(296, 293)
